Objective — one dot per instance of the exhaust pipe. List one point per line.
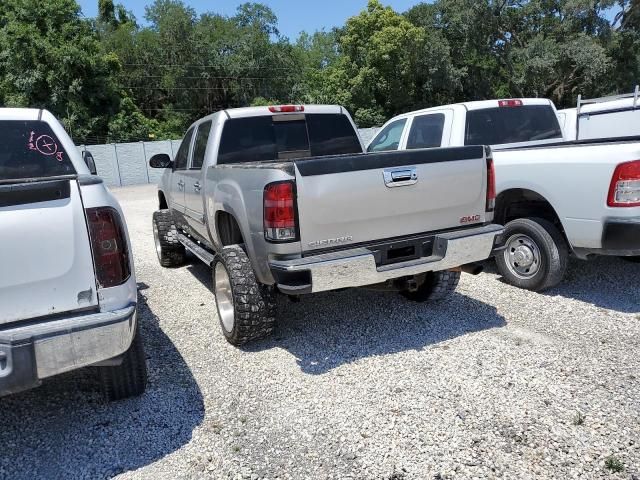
(470, 268)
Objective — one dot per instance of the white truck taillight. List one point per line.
(625, 185)
(280, 212)
(491, 185)
(109, 246)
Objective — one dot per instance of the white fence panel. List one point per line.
(123, 164)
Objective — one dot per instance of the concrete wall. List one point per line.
(123, 164)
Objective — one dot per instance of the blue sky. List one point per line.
(294, 16)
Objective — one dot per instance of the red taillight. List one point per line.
(514, 102)
(286, 108)
(491, 185)
(280, 212)
(624, 190)
(109, 246)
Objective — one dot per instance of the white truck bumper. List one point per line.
(37, 350)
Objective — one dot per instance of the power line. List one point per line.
(147, 87)
(187, 65)
(202, 78)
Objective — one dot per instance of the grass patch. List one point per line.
(578, 419)
(613, 464)
(235, 448)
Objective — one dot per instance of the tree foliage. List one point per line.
(115, 78)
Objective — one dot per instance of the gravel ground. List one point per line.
(495, 382)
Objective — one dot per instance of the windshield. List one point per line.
(496, 126)
(29, 149)
(274, 137)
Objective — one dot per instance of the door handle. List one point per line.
(196, 186)
(180, 184)
(400, 177)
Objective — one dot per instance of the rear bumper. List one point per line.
(32, 352)
(622, 235)
(357, 267)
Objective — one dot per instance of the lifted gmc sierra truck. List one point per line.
(284, 198)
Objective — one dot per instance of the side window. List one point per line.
(182, 156)
(200, 146)
(388, 138)
(426, 131)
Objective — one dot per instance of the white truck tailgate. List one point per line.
(45, 254)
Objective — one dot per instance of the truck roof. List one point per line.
(19, 113)
(259, 111)
(478, 105)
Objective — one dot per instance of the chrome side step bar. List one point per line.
(203, 254)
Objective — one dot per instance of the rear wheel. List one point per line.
(631, 259)
(170, 251)
(246, 309)
(437, 286)
(535, 255)
(129, 379)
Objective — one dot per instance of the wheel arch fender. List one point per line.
(520, 202)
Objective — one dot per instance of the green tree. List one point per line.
(52, 58)
(389, 65)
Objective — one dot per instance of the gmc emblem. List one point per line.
(470, 219)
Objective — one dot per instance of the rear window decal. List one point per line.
(45, 145)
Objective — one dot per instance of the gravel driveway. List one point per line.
(495, 382)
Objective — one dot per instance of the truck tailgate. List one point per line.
(352, 199)
(45, 253)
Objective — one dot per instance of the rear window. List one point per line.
(276, 137)
(30, 149)
(495, 126)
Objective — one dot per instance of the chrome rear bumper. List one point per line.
(31, 352)
(357, 267)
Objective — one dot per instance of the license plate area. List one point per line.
(400, 251)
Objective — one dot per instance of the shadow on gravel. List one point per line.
(606, 282)
(327, 330)
(64, 430)
(201, 272)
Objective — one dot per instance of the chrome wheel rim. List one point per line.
(522, 256)
(224, 297)
(156, 240)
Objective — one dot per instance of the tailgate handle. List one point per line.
(400, 177)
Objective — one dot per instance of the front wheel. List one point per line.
(535, 255)
(170, 251)
(246, 309)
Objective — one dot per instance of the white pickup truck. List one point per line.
(67, 286)
(554, 197)
(605, 117)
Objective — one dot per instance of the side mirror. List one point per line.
(160, 160)
(91, 163)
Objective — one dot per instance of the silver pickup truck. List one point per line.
(285, 199)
